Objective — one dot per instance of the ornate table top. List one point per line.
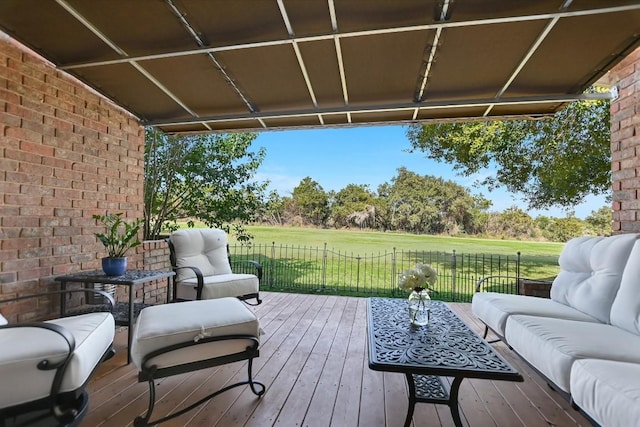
(446, 346)
(130, 277)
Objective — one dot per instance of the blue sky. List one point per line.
(366, 155)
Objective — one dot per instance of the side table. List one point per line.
(130, 279)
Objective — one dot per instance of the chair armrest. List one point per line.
(44, 362)
(253, 263)
(110, 302)
(199, 278)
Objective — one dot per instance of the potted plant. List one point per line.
(120, 236)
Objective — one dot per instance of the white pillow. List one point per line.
(3, 321)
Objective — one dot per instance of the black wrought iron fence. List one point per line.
(308, 269)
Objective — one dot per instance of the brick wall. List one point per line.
(625, 145)
(66, 153)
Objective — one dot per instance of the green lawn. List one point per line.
(374, 241)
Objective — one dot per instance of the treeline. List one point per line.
(420, 204)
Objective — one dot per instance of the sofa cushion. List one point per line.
(204, 248)
(553, 345)
(590, 273)
(609, 391)
(625, 310)
(494, 309)
(93, 334)
(164, 325)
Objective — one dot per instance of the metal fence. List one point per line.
(306, 269)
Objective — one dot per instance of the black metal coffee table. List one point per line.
(446, 347)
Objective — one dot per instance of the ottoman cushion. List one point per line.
(164, 325)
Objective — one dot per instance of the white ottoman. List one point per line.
(176, 338)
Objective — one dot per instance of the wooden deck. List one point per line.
(313, 360)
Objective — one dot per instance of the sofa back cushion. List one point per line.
(625, 310)
(590, 273)
(204, 248)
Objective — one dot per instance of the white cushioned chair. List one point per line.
(45, 366)
(201, 261)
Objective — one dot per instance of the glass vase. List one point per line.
(419, 305)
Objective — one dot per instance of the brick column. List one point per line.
(625, 145)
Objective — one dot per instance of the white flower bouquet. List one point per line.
(423, 276)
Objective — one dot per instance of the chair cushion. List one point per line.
(494, 309)
(23, 347)
(625, 310)
(219, 286)
(608, 391)
(590, 273)
(164, 325)
(204, 248)
(553, 345)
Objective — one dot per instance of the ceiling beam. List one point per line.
(387, 108)
(335, 34)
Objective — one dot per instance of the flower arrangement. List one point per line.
(423, 276)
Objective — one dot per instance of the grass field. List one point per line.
(374, 241)
(367, 262)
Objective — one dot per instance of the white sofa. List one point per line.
(586, 339)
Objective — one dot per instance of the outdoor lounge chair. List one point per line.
(200, 258)
(45, 366)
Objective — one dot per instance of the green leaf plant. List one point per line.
(121, 235)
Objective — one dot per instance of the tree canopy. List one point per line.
(203, 177)
(551, 162)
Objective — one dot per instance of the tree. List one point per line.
(600, 221)
(311, 202)
(563, 229)
(551, 162)
(426, 204)
(512, 223)
(354, 205)
(200, 177)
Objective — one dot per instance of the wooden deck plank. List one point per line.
(324, 397)
(314, 362)
(347, 407)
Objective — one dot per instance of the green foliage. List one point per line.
(426, 204)
(311, 202)
(354, 205)
(121, 235)
(200, 177)
(551, 162)
(512, 223)
(600, 221)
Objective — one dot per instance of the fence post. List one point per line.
(393, 270)
(272, 264)
(453, 275)
(358, 274)
(518, 273)
(324, 266)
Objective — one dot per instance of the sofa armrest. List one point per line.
(480, 284)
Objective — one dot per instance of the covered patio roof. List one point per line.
(218, 65)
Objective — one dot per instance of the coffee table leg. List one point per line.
(412, 400)
(453, 401)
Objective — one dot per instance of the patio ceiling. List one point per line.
(219, 65)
